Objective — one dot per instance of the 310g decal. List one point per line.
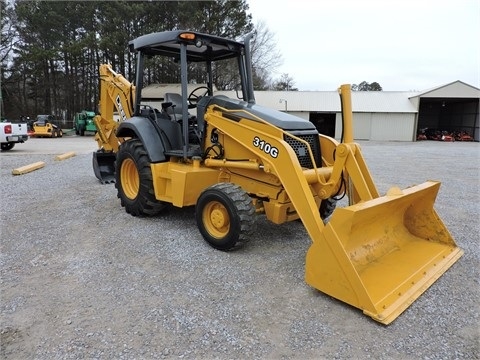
(266, 147)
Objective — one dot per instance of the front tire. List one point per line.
(225, 215)
(134, 180)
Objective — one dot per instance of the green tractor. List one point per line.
(83, 122)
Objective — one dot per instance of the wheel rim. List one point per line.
(130, 179)
(216, 219)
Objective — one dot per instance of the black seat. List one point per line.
(176, 109)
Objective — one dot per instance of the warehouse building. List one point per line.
(378, 115)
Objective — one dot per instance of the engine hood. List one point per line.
(277, 118)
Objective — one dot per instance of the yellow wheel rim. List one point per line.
(130, 179)
(216, 219)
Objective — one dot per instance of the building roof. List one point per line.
(455, 89)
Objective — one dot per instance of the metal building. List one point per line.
(378, 115)
(385, 115)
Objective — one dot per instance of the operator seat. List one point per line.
(175, 111)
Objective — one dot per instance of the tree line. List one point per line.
(365, 86)
(51, 50)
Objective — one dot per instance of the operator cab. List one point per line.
(198, 53)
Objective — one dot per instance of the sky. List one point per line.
(404, 45)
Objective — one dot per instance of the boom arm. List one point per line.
(118, 93)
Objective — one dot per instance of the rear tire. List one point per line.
(7, 146)
(134, 180)
(225, 215)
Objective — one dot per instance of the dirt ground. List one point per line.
(81, 279)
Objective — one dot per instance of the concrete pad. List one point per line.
(28, 168)
(65, 156)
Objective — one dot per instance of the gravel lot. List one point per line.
(81, 279)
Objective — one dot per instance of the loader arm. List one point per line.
(348, 160)
(118, 93)
(286, 167)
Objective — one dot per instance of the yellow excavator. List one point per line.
(235, 159)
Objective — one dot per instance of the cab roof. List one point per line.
(200, 47)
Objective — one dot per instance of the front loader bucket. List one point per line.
(104, 166)
(382, 254)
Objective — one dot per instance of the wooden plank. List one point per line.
(65, 156)
(28, 168)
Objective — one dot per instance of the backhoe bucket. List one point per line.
(104, 166)
(381, 255)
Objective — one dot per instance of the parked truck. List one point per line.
(12, 133)
(83, 122)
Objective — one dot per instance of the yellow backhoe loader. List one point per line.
(236, 159)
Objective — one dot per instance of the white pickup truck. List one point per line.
(12, 133)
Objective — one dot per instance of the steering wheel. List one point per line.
(193, 98)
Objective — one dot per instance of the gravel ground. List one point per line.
(81, 279)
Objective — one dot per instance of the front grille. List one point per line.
(302, 152)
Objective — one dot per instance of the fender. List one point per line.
(143, 129)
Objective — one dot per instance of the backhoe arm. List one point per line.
(118, 93)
